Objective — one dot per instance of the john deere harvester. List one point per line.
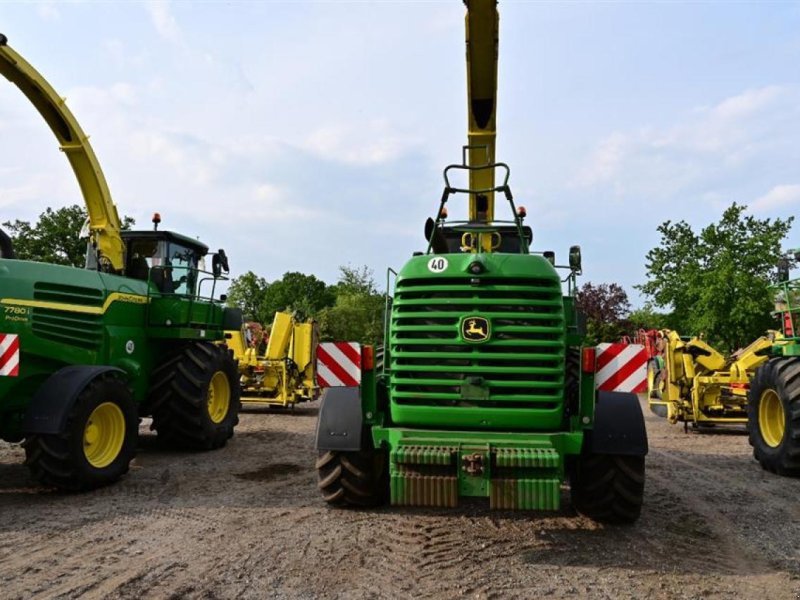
(773, 410)
(85, 352)
(484, 389)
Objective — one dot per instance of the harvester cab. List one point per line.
(88, 351)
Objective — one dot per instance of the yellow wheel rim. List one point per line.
(104, 435)
(219, 397)
(771, 418)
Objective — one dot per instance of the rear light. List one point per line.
(588, 357)
(740, 386)
(367, 358)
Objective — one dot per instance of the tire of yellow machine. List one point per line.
(195, 397)
(97, 443)
(654, 391)
(773, 415)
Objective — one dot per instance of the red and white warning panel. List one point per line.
(621, 368)
(338, 364)
(9, 355)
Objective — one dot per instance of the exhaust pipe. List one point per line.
(6, 246)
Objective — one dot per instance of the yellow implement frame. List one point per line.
(285, 373)
(696, 384)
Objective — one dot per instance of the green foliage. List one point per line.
(717, 281)
(54, 238)
(294, 292)
(357, 315)
(605, 307)
(648, 317)
(297, 292)
(246, 292)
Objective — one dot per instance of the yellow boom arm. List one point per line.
(482, 42)
(103, 218)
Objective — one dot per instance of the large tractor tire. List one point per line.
(608, 488)
(98, 441)
(773, 416)
(352, 478)
(195, 397)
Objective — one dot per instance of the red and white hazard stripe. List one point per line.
(621, 368)
(338, 364)
(9, 355)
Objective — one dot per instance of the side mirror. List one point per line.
(575, 259)
(219, 263)
(550, 257)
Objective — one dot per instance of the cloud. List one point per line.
(708, 142)
(163, 20)
(48, 11)
(779, 196)
(366, 144)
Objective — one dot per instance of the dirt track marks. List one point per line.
(247, 522)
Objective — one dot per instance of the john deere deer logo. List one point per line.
(475, 329)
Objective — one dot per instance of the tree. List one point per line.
(55, 236)
(297, 292)
(606, 307)
(246, 292)
(648, 317)
(357, 315)
(717, 282)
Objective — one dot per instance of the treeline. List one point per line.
(351, 309)
(715, 283)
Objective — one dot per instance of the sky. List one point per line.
(303, 136)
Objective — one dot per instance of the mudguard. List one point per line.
(339, 423)
(618, 425)
(49, 408)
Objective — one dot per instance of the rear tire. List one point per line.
(195, 397)
(97, 444)
(608, 488)
(773, 416)
(351, 478)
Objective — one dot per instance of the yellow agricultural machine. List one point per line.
(691, 382)
(285, 373)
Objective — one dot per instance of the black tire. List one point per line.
(61, 460)
(572, 379)
(351, 478)
(776, 382)
(654, 394)
(180, 394)
(608, 488)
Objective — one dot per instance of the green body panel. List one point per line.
(487, 419)
(514, 470)
(513, 380)
(69, 316)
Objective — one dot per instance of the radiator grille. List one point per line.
(520, 366)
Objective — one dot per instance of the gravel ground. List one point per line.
(247, 522)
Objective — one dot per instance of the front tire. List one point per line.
(773, 416)
(608, 488)
(351, 478)
(195, 397)
(97, 444)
